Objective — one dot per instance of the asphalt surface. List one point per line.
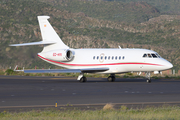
(41, 92)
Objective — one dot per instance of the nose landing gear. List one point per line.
(148, 76)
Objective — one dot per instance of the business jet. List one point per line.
(102, 61)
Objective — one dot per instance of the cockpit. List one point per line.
(151, 55)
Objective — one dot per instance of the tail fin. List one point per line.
(49, 34)
(50, 38)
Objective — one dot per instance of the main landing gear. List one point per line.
(82, 78)
(148, 76)
(111, 78)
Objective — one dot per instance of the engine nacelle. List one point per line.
(63, 55)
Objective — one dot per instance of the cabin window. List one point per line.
(112, 57)
(105, 57)
(123, 57)
(119, 57)
(116, 57)
(101, 57)
(94, 57)
(109, 57)
(97, 57)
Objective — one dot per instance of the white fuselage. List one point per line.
(117, 60)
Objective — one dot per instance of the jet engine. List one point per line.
(63, 55)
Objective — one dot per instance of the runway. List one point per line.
(23, 91)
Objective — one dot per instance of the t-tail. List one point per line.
(50, 38)
(54, 48)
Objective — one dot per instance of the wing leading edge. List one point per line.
(88, 70)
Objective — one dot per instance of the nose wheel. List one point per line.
(148, 76)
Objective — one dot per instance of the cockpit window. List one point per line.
(149, 55)
(158, 55)
(145, 55)
(154, 56)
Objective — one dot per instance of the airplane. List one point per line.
(88, 60)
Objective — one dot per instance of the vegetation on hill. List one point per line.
(170, 7)
(114, 11)
(84, 24)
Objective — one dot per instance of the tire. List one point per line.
(148, 81)
(111, 78)
(83, 79)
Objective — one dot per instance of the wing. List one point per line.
(88, 70)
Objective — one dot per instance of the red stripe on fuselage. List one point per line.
(98, 64)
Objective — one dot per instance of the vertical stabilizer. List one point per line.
(49, 34)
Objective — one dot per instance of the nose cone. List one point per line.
(168, 65)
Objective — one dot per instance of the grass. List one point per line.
(108, 106)
(123, 113)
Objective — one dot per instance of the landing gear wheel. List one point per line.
(111, 78)
(83, 79)
(148, 76)
(148, 81)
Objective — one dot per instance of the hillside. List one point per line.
(79, 29)
(170, 7)
(114, 11)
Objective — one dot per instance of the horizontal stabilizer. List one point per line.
(35, 43)
(89, 70)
